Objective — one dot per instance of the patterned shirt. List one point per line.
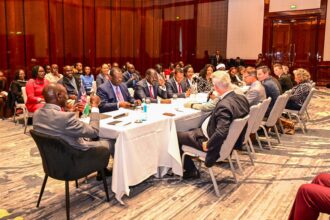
(300, 92)
(203, 85)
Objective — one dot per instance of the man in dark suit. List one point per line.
(131, 77)
(177, 85)
(71, 83)
(114, 93)
(214, 130)
(149, 87)
(216, 58)
(271, 85)
(52, 120)
(284, 79)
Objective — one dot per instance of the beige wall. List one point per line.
(244, 36)
(284, 5)
(245, 27)
(326, 55)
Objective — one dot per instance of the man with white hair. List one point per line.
(214, 130)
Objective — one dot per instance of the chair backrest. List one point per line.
(261, 114)
(235, 130)
(63, 162)
(307, 101)
(254, 111)
(277, 109)
(24, 94)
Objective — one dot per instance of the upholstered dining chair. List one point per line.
(298, 114)
(261, 114)
(227, 148)
(63, 162)
(274, 116)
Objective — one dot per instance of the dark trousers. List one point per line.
(292, 105)
(311, 199)
(193, 138)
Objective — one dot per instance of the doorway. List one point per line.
(294, 42)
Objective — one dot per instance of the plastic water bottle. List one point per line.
(145, 110)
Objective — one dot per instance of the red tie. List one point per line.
(119, 95)
(151, 93)
(180, 89)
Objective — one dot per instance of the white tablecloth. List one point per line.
(142, 148)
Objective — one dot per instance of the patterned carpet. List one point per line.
(264, 191)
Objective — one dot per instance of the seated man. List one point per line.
(284, 79)
(271, 85)
(54, 76)
(52, 120)
(114, 93)
(214, 130)
(148, 87)
(131, 77)
(311, 199)
(71, 83)
(177, 85)
(256, 93)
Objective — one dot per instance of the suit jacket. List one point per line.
(69, 87)
(100, 79)
(142, 91)
(128, 81)
(272, 89)
(286, 83)
(256, 93)
(52, 121)
(172, 88)
(231, 107)
(108, 98)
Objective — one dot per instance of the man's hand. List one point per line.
(205, 146)
(124, 104)
(74, 97)
(74, 107)
(188, 93)
(137, 102)
(212, 96)
(95, 101)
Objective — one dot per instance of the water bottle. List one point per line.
(145, 110)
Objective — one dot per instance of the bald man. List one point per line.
(52, 120)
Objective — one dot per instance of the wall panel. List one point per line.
(36, 36)
(143, 32)
(3, 37)
(15, 36)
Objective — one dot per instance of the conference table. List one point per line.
(146, 143)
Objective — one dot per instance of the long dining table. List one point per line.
(146, 143)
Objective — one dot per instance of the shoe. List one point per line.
(106, 173)
(191, 174)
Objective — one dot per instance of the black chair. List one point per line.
(63, 162)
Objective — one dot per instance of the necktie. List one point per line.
(119, 95)
(151, 92)
(180, 89)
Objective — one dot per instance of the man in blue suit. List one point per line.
(114, 93)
